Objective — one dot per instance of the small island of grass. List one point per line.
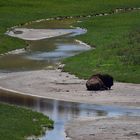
(18, 123)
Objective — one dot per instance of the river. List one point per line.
(62, 112)
(45, 54)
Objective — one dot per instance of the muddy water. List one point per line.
(41, 54)
(62, 112)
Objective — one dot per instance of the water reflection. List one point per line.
(57, 110)
(43, 53)
(61, 111)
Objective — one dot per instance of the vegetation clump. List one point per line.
(18, 123)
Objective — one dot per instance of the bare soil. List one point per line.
(119, 128)
(63, 86)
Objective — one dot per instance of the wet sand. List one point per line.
(38, 34)
(117, 128)
(63, 86)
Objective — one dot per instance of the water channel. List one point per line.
(62, 112)
(41, 54)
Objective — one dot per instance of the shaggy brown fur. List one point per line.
(99, 82)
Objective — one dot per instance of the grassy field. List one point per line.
(18, 123)
(18, 12)
(116, 37)
(117, 42)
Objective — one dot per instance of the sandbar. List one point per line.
(38, 34)
(59, 85)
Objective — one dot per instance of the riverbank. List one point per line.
(120, 128)
(59, 85)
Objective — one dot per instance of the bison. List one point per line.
(99, 82)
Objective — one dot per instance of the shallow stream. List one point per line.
(62, 112)
(46, 53)
(41, 54)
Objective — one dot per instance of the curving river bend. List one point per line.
(45, 53)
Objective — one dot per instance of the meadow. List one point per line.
(117, 47)
(18, 12)
(116, 39)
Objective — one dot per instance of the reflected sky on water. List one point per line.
(62, 112)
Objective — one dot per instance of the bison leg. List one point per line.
(93, 86)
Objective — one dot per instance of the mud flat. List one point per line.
(116, 128)
(38, 34)
(63, 86)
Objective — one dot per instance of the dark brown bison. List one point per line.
(99, 82)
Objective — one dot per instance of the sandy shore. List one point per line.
(117, 128)
(63, 86)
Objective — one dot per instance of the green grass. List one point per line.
(18, 12)
(117, 42)
(17, 123)
(117, 47)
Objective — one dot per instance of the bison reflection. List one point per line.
(99, 82)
